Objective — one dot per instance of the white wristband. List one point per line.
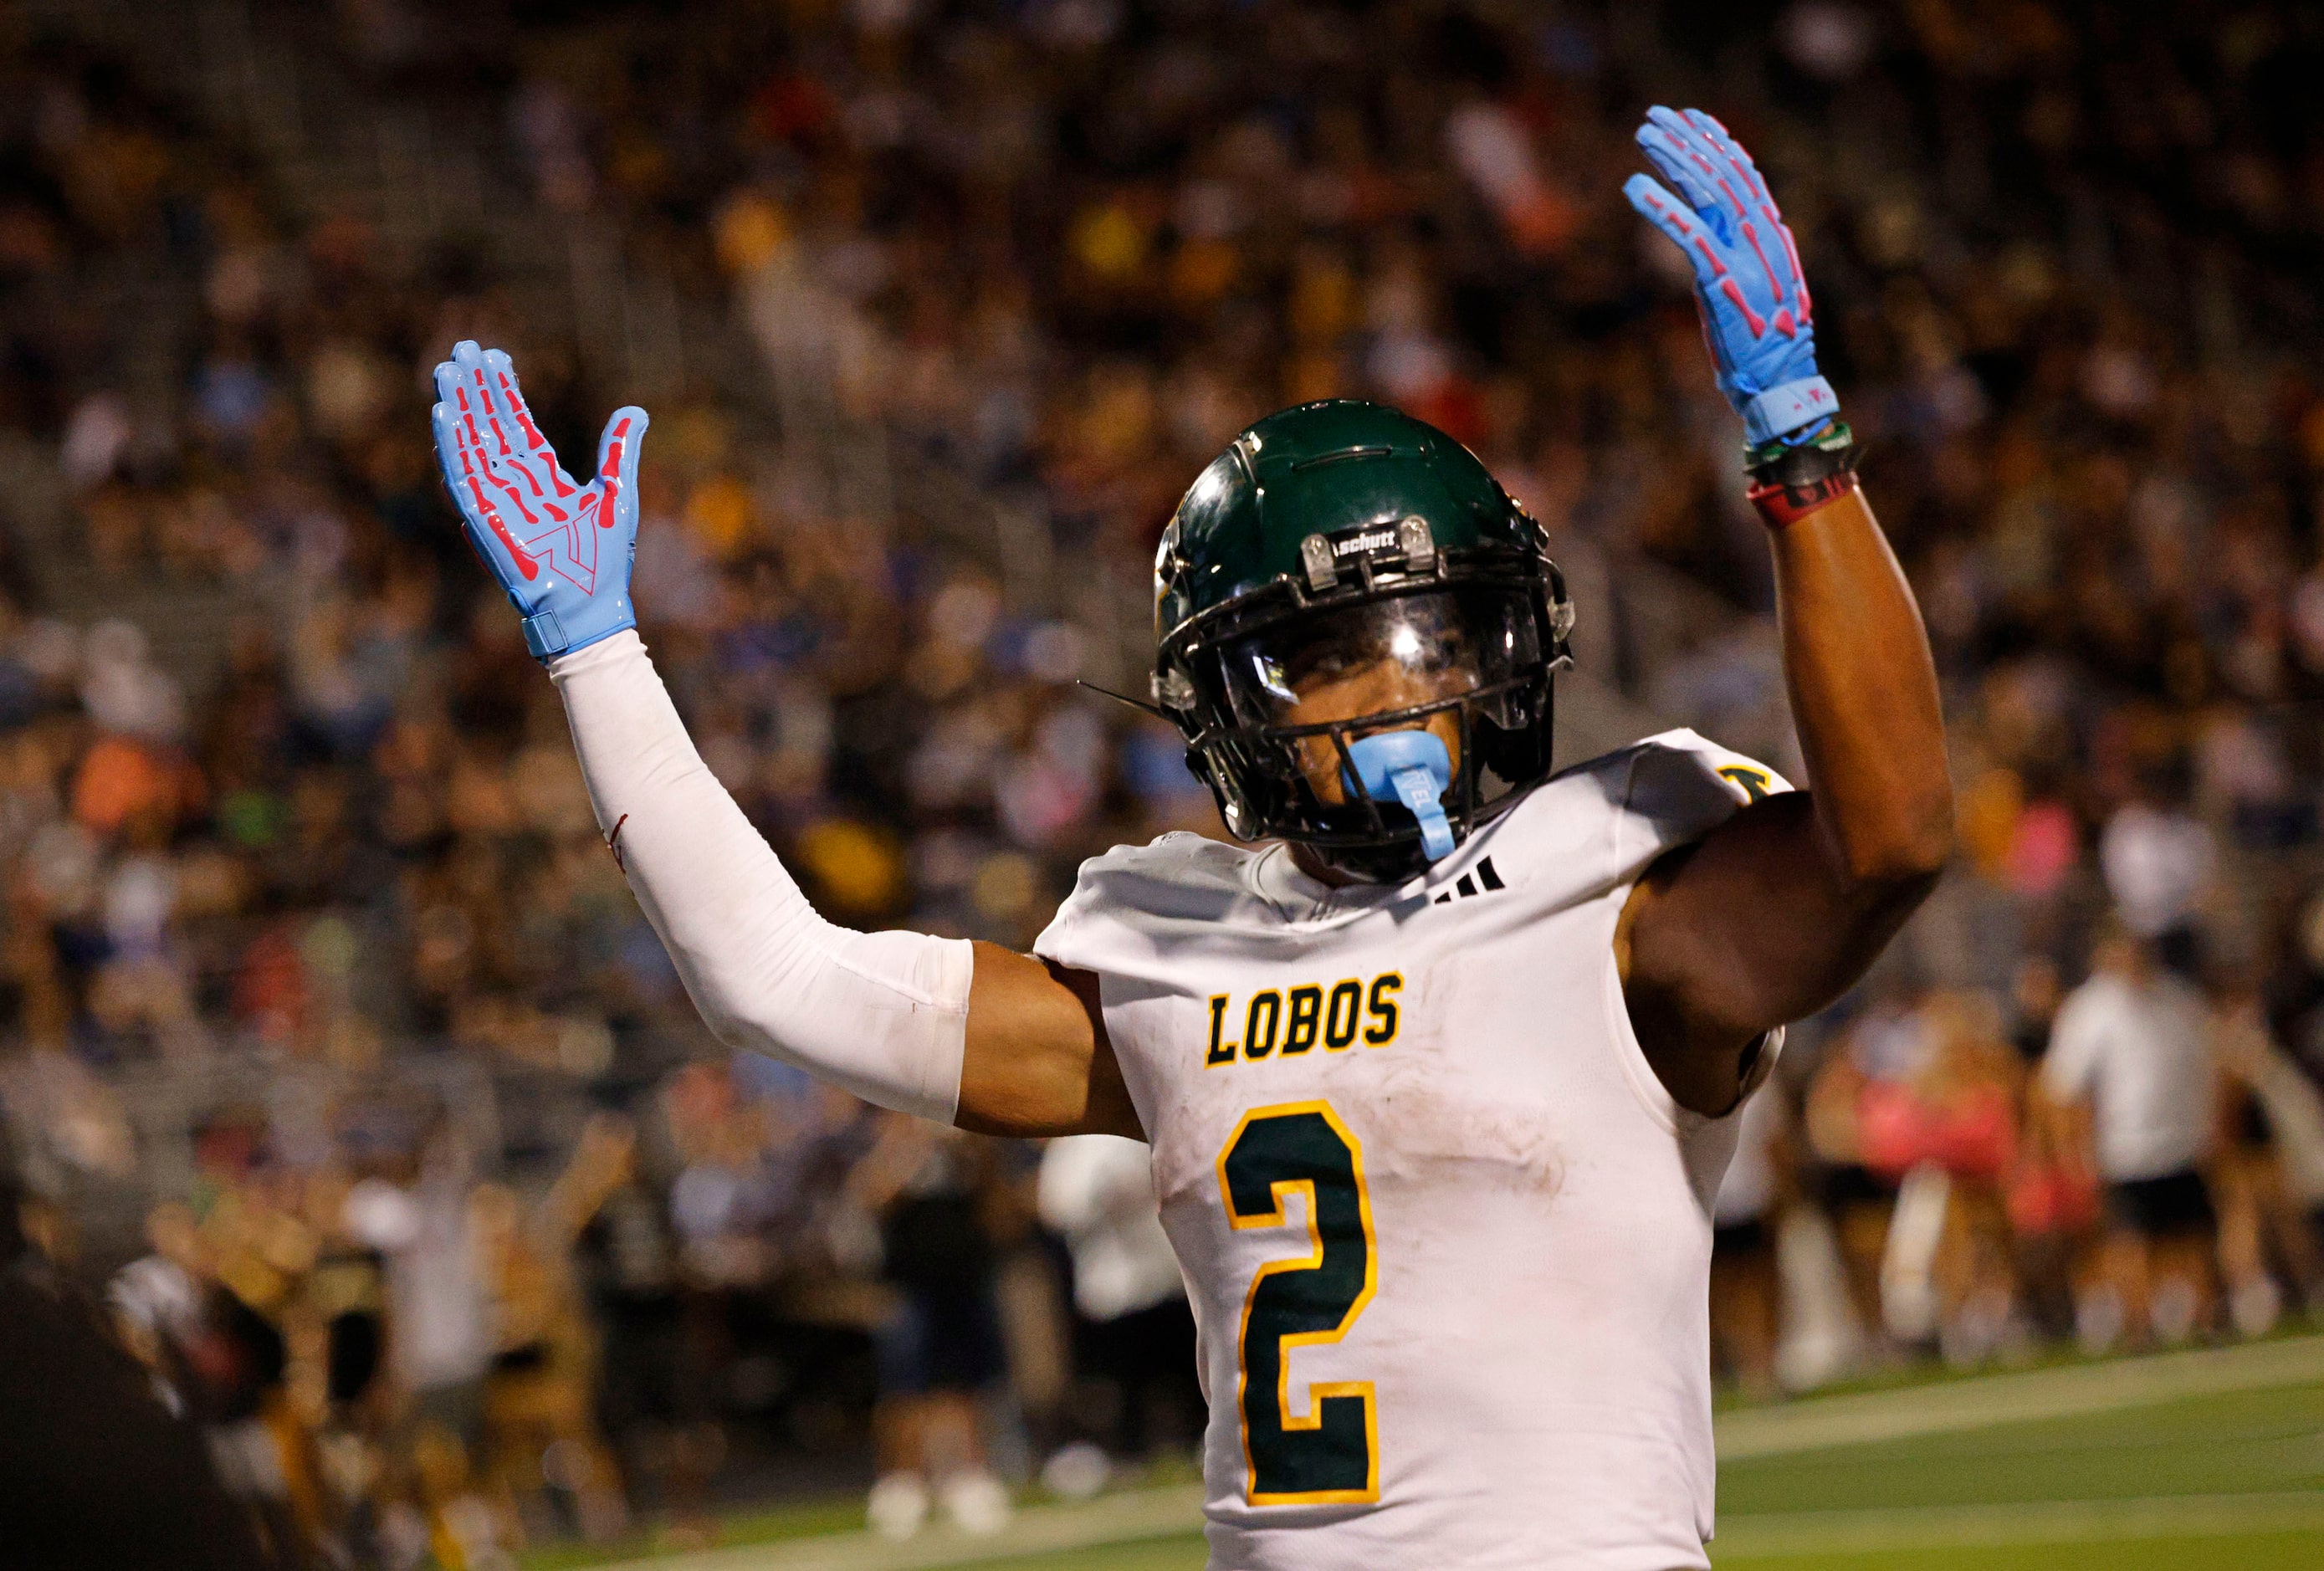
(1788, 408)
(884, 1015)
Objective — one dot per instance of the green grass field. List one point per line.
(2242, 1552)
(2187, 1462)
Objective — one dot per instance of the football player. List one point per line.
(1441, 1066)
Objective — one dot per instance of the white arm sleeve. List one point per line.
(884, 1015)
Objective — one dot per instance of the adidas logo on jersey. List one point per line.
(1482, 880)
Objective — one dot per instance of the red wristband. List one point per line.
(1780, 505)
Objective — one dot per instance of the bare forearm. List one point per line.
(1840, 866)
(1843, 864)
(1864, 698)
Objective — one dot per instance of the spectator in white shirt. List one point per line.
(1132, 1329)
(1745, 1282)
(2130, 1068)
(2158, 865)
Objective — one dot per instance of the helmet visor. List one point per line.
(1380, 658)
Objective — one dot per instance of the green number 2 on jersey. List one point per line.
(1333, 1455)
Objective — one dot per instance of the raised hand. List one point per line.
(1757, 315)
(561, 549)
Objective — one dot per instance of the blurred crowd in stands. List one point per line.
(335, 1056)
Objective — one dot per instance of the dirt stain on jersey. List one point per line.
(1448, 1102)
(1427, 1117)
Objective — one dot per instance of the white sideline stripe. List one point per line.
(1968, 1527)
(1117, 1519)
(1868, 1416)
(1806, 1425)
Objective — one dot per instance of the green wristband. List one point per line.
(1832, 449)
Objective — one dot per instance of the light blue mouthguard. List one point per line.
(1414, 768)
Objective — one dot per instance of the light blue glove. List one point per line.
(561, 549)
(1756, 313)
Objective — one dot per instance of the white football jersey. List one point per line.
(1447, 1238)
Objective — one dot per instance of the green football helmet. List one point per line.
(1341, 574)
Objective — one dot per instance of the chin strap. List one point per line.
(1415, 768)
